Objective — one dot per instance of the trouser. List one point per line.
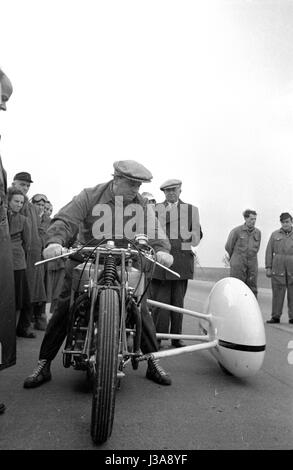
(26, 312)
(169, 292)
(279, 290)
(246, 270)
(30, 312)
(56, 330)
(39, 310)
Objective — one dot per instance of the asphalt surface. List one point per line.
(203, 409)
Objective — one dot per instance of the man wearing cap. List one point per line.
(279, 267)
(242, 247)
(84, 210)
(183, 230)
(33, 309)
(7, 302)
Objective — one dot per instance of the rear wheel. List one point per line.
(106, 363)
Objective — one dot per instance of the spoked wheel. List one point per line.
(105, 380)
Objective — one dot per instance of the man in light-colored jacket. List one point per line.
(279, 267)
(242, 247)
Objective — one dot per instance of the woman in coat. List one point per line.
(20, 235)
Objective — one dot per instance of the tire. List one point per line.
(105, 380)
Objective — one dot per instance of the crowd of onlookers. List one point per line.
(36, 287)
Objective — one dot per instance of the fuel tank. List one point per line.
(84, 271)
(135, 280)
(82, 274)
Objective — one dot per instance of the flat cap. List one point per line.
(132, 170)
(170, 184)
(5, 89)
(23, 176)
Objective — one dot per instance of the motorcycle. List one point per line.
(104, 329)
(104, 326)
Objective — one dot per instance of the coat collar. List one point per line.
(178, 203)
(107, 195)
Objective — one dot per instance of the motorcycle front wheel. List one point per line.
(106, 363)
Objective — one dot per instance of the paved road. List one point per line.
(203, 409)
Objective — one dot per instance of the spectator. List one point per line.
(39, 201)
(7, 296)
(35, 274)
(116, 194)
(20, 238)
(39, 309)
(48, 209)
(54, 270)
(279, 267)
(242, 247)
(150, 199)
(183, 230)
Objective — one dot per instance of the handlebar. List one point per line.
(108, 250)
(117, 251)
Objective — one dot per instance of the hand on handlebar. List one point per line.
(53, 249)
(164, 258)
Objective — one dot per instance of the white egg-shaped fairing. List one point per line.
(238, 326)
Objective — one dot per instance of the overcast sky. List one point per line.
(196, 90)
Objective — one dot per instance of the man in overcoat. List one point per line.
(7, 298)
(181, 222)
(35, 275)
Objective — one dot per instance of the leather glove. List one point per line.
(164, 258)
(268, 272)
(52, 250)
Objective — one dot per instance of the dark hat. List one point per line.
(170, 184)
(23, 176)
(284, 216)
(132, 170)
(6, 90)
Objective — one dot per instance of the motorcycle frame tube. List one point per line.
(182, 336)
(203, 316)
(183, 350)
(122, 337)
(94, 289)
(208, 341)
